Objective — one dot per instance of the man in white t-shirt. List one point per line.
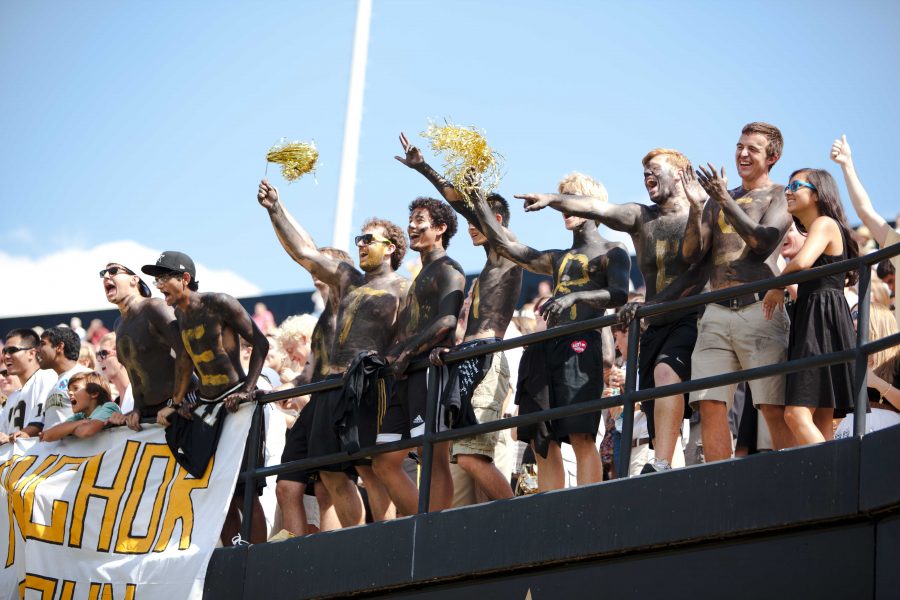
(58, 350)
(19, 358)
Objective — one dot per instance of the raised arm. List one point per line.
(237, 318)
(698, 234)
(414, 160)
(621, 217)
(505, 244)
(878, 226)
(761, 237)
(295, 240)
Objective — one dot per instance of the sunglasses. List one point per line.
(104, 354)
(367, 238)
(10, 350)
(166, 276)
(113, 271)
(855, 315)
(796, 185)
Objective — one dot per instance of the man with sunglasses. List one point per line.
(211, 325)
(145, 337)
(742, 229)
(368, 300)
(484, 379)
(20, 359)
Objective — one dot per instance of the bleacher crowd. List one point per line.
(167, 358)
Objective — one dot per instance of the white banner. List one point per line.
(112, 517)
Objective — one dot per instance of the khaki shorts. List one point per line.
(487, 402)
(732, 340)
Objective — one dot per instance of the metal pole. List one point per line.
(634, 330)
(343, 212)
(250, 482)
(862, 359)
(431, 412)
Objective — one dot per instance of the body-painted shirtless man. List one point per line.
(146, 335)
(656, 230)
(210, 325)
(589, 277)
(427, 321)
(742, 229)
(494, 298)
(368, 301)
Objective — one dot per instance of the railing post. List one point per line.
(252, 451)
(862, 359)
(634, 331)
(431, 412)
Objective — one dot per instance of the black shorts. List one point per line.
(404, 416)
(296, 443)
(672, 344)
(324, 437)
(573, 373)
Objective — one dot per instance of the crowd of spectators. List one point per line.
(66, 380)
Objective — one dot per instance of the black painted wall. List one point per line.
(818, 522)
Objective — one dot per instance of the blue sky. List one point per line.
(150, 121)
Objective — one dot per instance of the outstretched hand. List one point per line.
(413, 156)
(535, 202)
(267, 195)
(692, 190)
(715, 184)
(840, 151)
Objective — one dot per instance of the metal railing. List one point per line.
(858, 355)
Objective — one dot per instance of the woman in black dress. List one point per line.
(822, 323)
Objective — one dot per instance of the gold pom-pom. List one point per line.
(466, 153)
(296, 158)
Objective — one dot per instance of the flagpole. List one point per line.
(343, 214)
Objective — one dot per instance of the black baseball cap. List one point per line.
(171, 261)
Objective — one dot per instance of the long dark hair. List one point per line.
(830, 205)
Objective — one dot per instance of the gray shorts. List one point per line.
(731, 340)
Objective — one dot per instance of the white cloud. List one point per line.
(68, 280)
